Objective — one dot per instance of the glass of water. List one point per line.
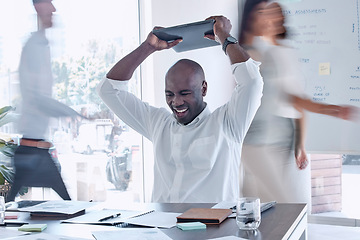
(248, 215)
(2, 210)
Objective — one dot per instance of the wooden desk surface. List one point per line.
(277, 223)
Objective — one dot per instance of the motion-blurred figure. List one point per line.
(33, 164)
(274, 148)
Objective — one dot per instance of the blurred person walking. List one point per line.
(274, 148)
(33, 164)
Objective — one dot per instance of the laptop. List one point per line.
(191, 33)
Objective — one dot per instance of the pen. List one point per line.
(110, 217)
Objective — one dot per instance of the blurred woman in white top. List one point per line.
(274, 160)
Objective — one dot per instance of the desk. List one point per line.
(283, 221)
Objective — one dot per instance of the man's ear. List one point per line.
(204, 88)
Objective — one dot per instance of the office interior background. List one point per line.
(89, 36)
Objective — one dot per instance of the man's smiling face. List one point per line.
(185, 87)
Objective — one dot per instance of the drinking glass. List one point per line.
(2, 210)
(248, 215)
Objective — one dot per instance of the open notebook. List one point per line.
(107, 217)
(122, 218)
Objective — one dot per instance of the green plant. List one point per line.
(6, 174)
(7, 148)
(7, 115)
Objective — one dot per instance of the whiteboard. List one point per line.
(326, 36)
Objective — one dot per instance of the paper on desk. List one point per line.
(6, 233)
(42, 236)
(228, 238)
(225, 204)
(155, 219)
(94, 216)
(131, 234)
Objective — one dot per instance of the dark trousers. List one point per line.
(34, 167)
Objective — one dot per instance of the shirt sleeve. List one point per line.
(130, 109)
(245, 100)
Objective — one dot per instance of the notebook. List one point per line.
(58, 209)
(192, 35)
(204, 215)
(155, 219)
(107, 217)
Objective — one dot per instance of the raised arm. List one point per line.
(124, 69)
(222, 28)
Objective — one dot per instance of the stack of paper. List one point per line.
(58, 208)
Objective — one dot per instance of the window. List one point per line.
(100, 158)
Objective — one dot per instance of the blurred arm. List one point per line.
(300, 152)
(343, 112)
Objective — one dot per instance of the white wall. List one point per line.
(215, 63)
(213, 60)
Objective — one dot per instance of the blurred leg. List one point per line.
(49, 175)
(34, 167)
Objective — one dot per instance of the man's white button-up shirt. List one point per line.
(197, 162)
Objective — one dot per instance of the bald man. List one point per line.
(197, 153)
